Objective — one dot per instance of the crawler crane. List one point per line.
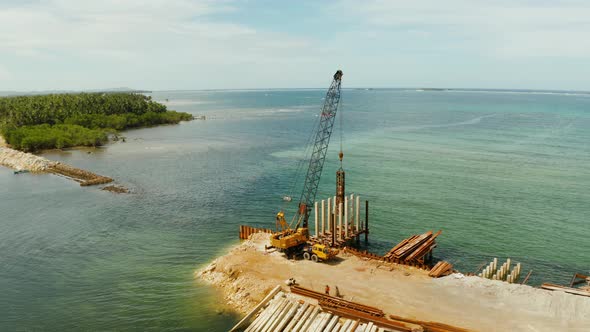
(295, 240)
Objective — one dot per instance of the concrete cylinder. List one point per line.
(340, 221)
(495, 264)
(329, 207)
(346, 217)
(358, 211)
(323, 217)
(316, 219)
(351, 211)
(335, 207)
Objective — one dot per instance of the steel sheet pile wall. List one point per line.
(246, 231)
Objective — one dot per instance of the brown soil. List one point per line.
(248, 272)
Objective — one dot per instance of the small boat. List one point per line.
(287, 198)
(21, 171)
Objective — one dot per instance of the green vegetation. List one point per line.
(31, 123)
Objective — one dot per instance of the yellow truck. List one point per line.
(319, 252)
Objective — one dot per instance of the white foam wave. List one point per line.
(182, 102)
(557, 93)
(443, 125)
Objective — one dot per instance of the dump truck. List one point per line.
(319, 252)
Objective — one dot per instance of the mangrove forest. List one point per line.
(32, 123)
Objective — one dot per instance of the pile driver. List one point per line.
(293, 240)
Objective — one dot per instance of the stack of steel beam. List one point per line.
(414, 248)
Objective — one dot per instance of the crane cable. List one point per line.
(341, 129)
(308, 146)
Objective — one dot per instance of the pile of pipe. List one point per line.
(504, 273)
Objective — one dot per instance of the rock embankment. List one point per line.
(85, 178)
(24, 161)
(19, 160)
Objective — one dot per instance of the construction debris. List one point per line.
(442, 268)
(570, 290)
(580, 279)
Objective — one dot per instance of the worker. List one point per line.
(338, 292)
(327, 290)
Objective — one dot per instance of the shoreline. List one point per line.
(247, 272)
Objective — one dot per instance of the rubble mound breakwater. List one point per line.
(22, 161)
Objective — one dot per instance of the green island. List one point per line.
(33, 123)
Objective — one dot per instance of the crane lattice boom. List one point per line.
(321, 141)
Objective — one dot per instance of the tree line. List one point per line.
(32, 123)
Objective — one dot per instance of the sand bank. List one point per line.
(247, 273)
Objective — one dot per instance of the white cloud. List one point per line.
(166, 44)
(4, 74)
(502, 28)
(147, 35)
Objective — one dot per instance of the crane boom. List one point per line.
(320, 147)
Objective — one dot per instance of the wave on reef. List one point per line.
(516, 92)
(443, 125)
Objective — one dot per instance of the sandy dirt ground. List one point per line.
(3, 142)
(248, 272)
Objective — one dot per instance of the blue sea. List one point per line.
(501, 173)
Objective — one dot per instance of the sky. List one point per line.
(184, 44)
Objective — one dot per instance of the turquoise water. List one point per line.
(502, 174)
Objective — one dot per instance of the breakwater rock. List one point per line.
(24, 161)
(19, 161)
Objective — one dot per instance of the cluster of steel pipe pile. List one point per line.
(504, 273)
(441, 269)
(338, 223)
(417, 248)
